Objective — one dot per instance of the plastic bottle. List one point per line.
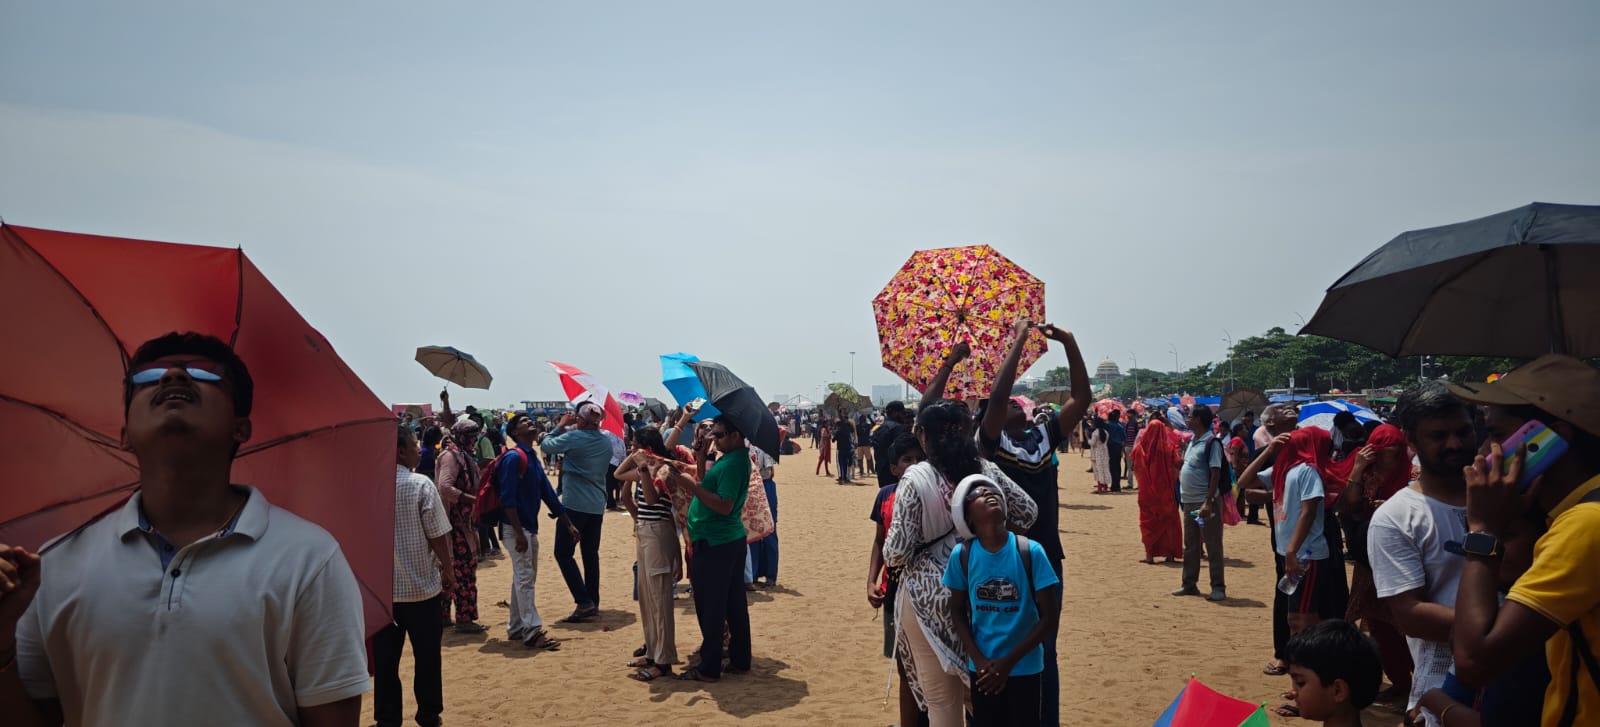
(1198, 521)
(1291, 583)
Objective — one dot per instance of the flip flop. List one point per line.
(649, 674)
(1275, 670)
(1287, 710)
(639, 652)
(542, 641)
(694, 675)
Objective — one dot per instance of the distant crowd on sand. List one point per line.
(1471, 521)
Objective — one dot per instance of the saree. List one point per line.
(1155, 458)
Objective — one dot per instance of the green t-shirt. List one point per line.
(729, 478)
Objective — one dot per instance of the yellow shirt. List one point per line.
(1563, 585)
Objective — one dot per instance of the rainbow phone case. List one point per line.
(1544, 448)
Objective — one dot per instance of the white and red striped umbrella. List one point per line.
(581, 387)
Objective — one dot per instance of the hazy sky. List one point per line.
(599, 183)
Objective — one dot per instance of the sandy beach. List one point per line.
(1127, 647)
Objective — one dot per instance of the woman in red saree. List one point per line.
(1155, 463)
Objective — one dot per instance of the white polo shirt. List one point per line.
(239, 628)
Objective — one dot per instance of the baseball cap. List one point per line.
(1561, 386)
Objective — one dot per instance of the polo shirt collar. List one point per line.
(251, 521)
(1573, 497)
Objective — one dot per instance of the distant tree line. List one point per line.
(1269, 360)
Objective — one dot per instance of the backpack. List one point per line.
(1225, 485)
(488, 502)
(1024, 549)
(1581, 653)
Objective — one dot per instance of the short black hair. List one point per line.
(905, 442)
(203, 346)
(1201, 412)
(727, 424)
(404, 436)
(512, 424)
(1114, 415)
(432, 436)
(1428, 400)
(1336, 649)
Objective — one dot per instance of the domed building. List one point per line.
(1108, 371)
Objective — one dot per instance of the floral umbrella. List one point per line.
(952, 295)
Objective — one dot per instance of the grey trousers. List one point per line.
(1192, 533)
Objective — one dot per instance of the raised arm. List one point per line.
(994, 418)
(1078, 405)
(935, 390)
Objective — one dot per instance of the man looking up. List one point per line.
(586, 459)
(196, 601)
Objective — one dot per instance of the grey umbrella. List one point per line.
(740, 404)
(454, 365)
(1521, 284)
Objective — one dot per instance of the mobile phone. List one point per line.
(1544, 448)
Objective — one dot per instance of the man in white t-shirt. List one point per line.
(196, 602)
(1414, 540)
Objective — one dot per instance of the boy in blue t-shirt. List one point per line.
(1000, 625)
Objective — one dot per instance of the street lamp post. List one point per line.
(1228, 339)
(852, 369)
(1135, 372)
(1172, 348)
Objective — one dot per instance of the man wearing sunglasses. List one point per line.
(716, 565)
(197, 601)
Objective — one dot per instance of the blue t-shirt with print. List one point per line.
(1002, 611)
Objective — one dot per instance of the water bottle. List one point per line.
(1291, 583)
(1198, 521)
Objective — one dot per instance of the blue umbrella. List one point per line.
(1321, 413)
(684, 383)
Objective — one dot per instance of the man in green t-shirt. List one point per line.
(716, 560)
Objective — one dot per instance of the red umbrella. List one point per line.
(323, 445)
(1106, 406)
(582, 387)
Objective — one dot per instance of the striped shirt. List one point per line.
(662, 510)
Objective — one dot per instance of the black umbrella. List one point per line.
(1520, 284)
(740, 404)
(654, 406)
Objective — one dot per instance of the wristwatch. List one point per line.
(1481, 544)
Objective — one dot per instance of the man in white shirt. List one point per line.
(197, 602)
(1414, 540)
(423, 568)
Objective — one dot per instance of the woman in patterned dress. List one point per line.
(920, 539)
(457, 471)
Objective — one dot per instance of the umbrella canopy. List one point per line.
(1106, 406)
(848, 392)
(835, 402)
(656, 408)
(581, 387)
(455, 366)
(740, 404)
(1201, 706)
(631, 398)
(1521, 283)
(1055, 395)
(957, 295)
(684, 384)
(323, 444)
(1235, 403)
(1321, 413)
(416, 410)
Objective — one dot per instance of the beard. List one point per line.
(1450, 462)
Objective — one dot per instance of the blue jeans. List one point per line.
(763, 561)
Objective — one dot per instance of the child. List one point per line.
(1002, 605)
(1336, 672)
(904, 451)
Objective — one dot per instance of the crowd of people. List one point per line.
(1470, 521)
